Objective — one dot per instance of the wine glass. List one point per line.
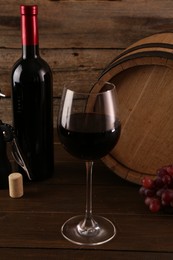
(89, 128)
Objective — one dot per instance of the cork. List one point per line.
(15, 180)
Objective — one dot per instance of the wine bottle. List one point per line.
(32, 100)
(5, 166)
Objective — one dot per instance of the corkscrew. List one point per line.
(10, 137)
(1, 94)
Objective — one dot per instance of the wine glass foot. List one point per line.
(76, 231)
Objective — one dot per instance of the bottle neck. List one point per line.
(29, 29)
(30, 51)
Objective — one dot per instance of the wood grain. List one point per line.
(31, 225)
(87, 24)
(79, 38)
(82, 254)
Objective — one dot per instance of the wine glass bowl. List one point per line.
(89, 128)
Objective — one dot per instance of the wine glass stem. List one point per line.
(88, 226)
(89, 169)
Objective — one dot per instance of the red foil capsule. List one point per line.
(29, 24)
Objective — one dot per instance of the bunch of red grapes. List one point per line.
(158, 192)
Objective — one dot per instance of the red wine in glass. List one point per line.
(87, 138)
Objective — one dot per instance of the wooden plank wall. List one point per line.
(78, 38)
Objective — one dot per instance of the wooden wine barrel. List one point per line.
(156, 42)
(144, 84)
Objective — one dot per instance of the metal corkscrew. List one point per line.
(10, 137)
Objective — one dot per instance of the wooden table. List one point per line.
(30, 226)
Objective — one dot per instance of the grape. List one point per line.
(142, 191)
(158, 183)
(167, 197)
(158, 192)
(170, 170)
(161, 172)
(167, 179)
(148, 200)
(147, 182)
(149, 192)
(155, 205)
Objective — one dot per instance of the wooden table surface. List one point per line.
(30, 226)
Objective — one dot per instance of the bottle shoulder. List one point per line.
(30, 68)
(32, 63)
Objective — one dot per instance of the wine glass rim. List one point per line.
(111, 85)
